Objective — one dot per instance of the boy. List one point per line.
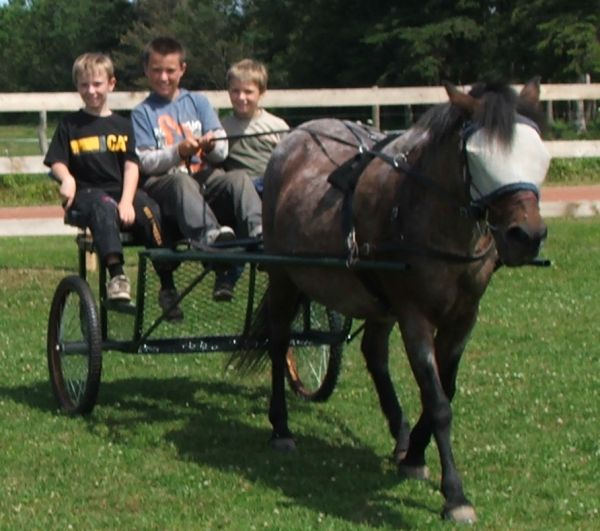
(247, 83)
(175, 135)
(92, 154)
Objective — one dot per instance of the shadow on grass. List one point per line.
(345, 480)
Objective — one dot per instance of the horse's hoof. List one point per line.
(414, 472)
(399, 452)
(398, 455)
(463, 514)
(284, 444)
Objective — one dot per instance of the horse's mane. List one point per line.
(496, 117)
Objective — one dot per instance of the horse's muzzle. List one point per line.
(523, 244)
(521, 230)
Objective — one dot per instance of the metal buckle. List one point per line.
(353, 252)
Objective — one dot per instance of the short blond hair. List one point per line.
(92, 62)
(249, 71)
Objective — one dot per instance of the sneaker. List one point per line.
(118, 289)
(222, 234)
(212, 236)
(167, 301)
(223, 290)
(256, 232)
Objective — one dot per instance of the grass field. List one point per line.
(177, 443)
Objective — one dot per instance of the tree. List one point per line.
(41, 38)
(207, 28)
(561, 37)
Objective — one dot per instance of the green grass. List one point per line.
(177, 443)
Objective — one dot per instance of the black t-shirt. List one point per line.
(94, 148)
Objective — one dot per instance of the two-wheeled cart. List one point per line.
(83, 325)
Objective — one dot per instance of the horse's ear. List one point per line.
(531, 91)
(468, 104)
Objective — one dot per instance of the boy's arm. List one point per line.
(215, 151)
(68, 187)
(158, 161)
(131, 176)
(153, 161)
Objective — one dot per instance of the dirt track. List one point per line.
(574, 201)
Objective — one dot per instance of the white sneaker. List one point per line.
(118, 289)
(256, 232)
(222, 234)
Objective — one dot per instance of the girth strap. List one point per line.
(345, 178)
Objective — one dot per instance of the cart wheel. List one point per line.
(74, 346)
(313, 370)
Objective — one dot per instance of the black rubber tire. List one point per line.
(313, 370)
(73, 325)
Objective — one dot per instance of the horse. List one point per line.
(453, 198)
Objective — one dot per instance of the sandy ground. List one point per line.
(574, 201)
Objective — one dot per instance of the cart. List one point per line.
(83, 324)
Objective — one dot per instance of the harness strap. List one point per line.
(370, 249)
(345, 178)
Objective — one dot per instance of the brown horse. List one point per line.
(452, 198)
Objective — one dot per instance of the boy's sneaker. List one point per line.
(222, 234)
(118, 289)
(212, 236)
(223, 290)
(256, 232)
(167, 301)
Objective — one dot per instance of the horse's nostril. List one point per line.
(517, 235)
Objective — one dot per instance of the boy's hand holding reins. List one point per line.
(196, 145)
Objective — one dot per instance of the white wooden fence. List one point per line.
(374, 98)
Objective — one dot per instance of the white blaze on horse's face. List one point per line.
(496, 169)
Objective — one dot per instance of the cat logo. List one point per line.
(99, 144)
(116, 142)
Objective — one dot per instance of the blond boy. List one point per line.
(92, 155)
(260, 131)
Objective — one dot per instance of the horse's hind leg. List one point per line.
(375, 348)
(283, 302)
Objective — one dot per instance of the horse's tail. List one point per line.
(253, 356)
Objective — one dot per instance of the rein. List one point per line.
(251, 135)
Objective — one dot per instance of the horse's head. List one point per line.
(506, 162)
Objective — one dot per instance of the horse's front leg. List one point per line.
(375, 349)
(435, 375)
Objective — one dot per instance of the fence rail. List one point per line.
(374, 98)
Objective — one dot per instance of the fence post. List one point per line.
(41, 132)
(375, 113)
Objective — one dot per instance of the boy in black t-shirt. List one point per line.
(93, 156)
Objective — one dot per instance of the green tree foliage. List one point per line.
(430, 41)
(559, 37)
(317, 43)
(307, 43)
(40, 38)
(207, 28)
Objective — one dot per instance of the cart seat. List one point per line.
(84, 237)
